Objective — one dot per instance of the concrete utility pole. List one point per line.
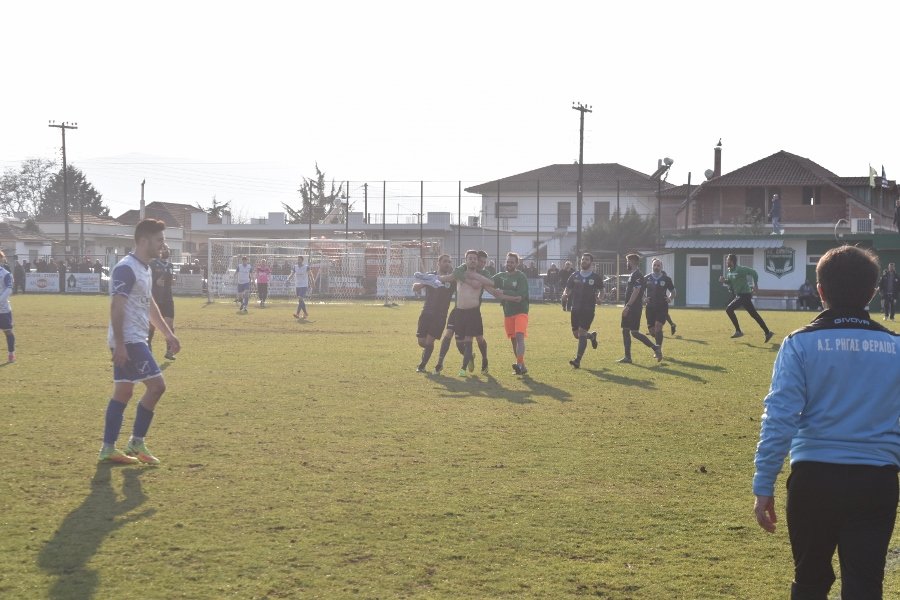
(582, 109)
(62, 127)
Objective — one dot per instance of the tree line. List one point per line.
(35, 189)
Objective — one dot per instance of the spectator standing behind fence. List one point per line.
(889, 286)
(564, 275)
(18, 276)
(833, 404)
(775, 214)
(61, 269)
(552, 281)
(262, 281)
(897, 216)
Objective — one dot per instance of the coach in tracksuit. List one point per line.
(834, 405)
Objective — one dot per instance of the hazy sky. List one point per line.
(240, 100)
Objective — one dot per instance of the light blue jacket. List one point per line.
(835, 397)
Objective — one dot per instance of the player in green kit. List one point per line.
(514, 286)
(742, 281)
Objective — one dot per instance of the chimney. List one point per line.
(143, 207)
(717, 161)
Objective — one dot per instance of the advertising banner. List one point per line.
(82, 283)
(41, 282)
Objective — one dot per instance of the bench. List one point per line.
(775, 299)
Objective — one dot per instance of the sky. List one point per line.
(241, 100)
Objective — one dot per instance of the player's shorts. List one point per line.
(581, 319)
(516, 324)
(451, 320)
(6, 321)
(301, 292)
(243, 287)
(468, 323)
(657, 314)
(632, 321)
(431, 324)
(140, 365)
(166, 307)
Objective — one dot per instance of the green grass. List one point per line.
(311, 461)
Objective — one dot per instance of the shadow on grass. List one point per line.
(609, 376)
(695, 365)
(681, 338)
(80, 535)
(490, 387)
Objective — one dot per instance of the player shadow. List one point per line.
(6, 364)
(694, 365)
(164, 366)
(545, 389)
(488, 387)
(681, 338)
(611, 377)
(79, 537)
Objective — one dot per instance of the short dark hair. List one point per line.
(148, 227)
(481, 254)
(468, 252)
(633, 256)
(731, 257)
(514, 255)
(848, 276)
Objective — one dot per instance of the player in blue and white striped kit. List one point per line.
(131, 312)
(834, 404)
(6, 320)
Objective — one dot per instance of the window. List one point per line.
(813, 259)
(743, 260)
(755, 202)
(601, 212)
(506, 210)
(698, 261)
(812, 196)
(563, 214)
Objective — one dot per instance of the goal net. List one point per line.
(339, 270)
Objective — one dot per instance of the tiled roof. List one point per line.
(725, 244)
(172, 214)
(781, 168)
(8, 231)
(677, 191)
(556, 176)
(75, 217)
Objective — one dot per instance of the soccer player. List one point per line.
(132, 310)
(468, 323)
(660, 292)
(582, 293)
(833, 404)
(300, 275)
(742, 281)
(163, 273)
(434, 312)
(243, 274)
(514, 285)
(6, 318)
(631, 312)
(263, 272)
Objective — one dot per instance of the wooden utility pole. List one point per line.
(580, 196)
(62, 127)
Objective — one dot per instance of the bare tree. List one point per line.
(216, 209)
(24, 192)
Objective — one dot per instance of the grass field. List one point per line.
(309, 460)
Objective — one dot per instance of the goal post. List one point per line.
(340, 270)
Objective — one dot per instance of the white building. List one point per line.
(539, 207)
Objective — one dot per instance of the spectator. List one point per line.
(98, 267)
(806, 297)
(775, 214)
(889, 286)
(552, 281)
(61, 269)
(18, 276)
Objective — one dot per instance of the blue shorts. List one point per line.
(140, 366)
(301, 292)
(6, 320)
(243, 287)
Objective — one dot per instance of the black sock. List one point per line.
(626, 341)
(426, 354)
(482, 348)
(582, 344)
(445, 347)
(467, 354)
(659, 338)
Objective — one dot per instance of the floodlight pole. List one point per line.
(580, 194)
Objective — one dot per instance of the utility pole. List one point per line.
(582, 109)
(62, 127)
(366, 203)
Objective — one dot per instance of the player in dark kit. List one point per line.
(660, 292)
(583, 292)
(434, 313)
(163, 273)
(631, 313)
